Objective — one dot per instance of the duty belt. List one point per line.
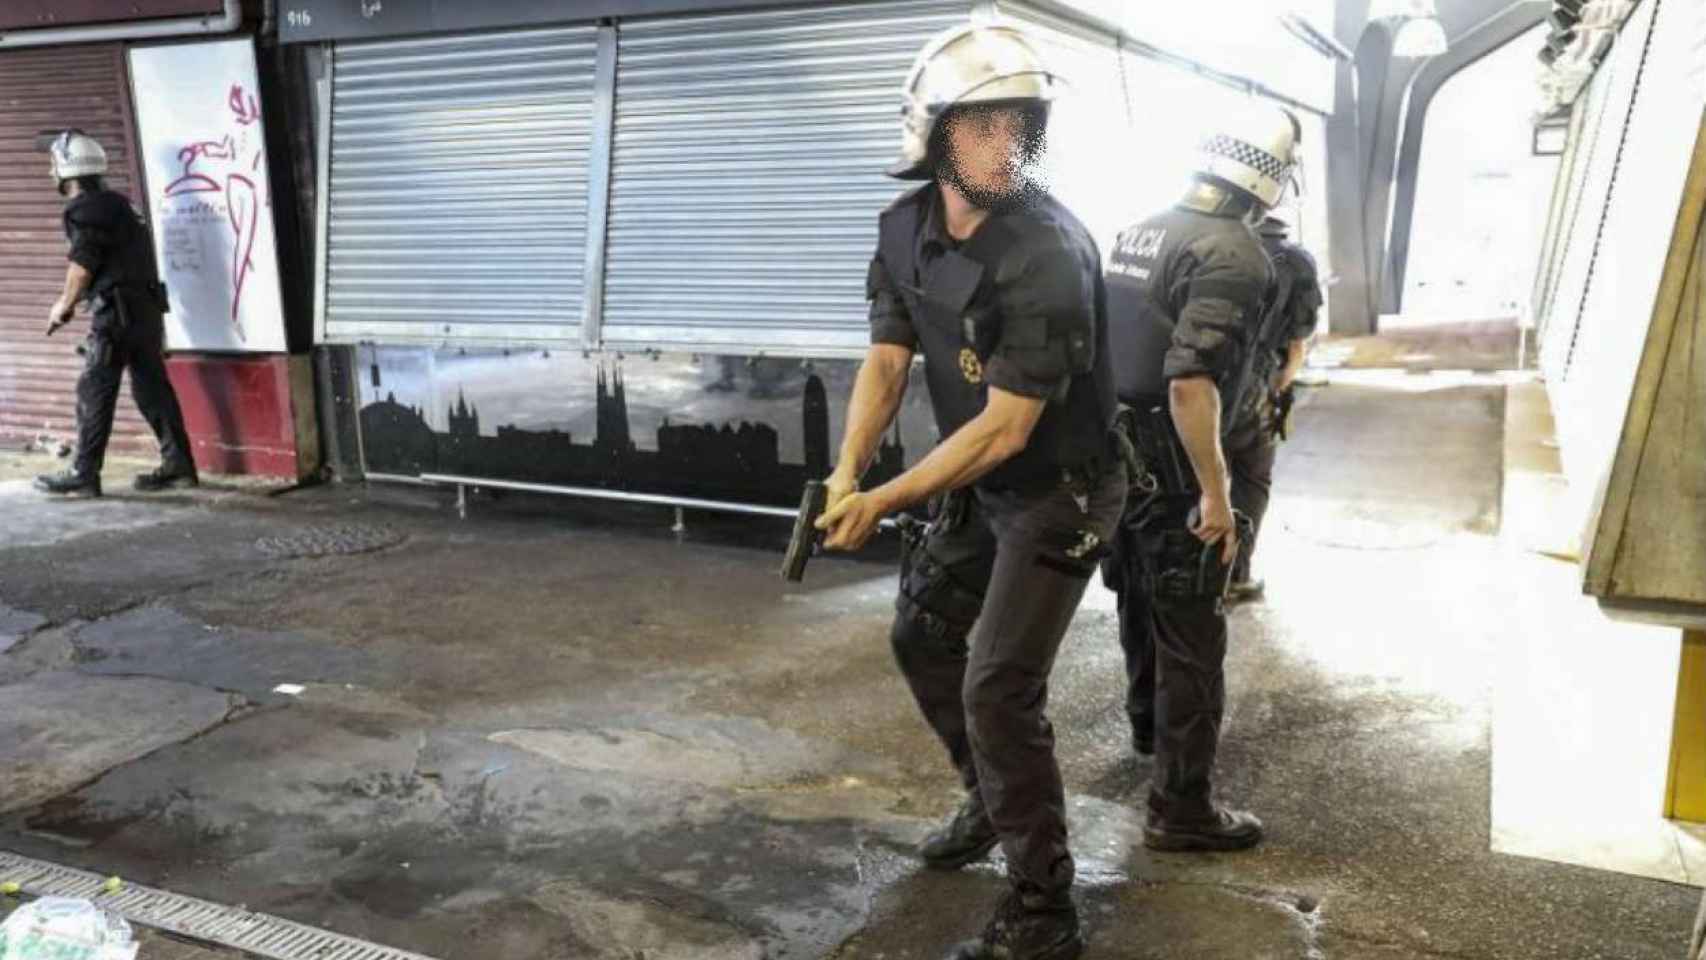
(1084, 474)
(1159, 463)
(117, 299)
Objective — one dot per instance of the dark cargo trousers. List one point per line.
(1175, 657)
(109, 351)
(1250, 453)
(985, 600)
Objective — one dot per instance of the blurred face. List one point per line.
(991, 153)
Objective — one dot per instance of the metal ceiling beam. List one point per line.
(1490, 36)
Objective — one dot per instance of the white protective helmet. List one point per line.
(1256, 149)
(76, 154)
(964, 65)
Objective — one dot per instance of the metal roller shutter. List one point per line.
(1611, 104)
(40, 90)
(458, 187)
(747, 173)
(1564, 196)
(1641, 209)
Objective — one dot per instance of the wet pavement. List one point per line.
(560, 730)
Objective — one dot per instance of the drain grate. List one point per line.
(255, 933)
(339, 541)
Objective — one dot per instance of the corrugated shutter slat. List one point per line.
(45, 89)
(748, 172)
(458, 187)
(1638, 136)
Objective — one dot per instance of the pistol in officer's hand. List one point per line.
(58, 316)
(850, 522)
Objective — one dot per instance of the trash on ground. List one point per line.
(65, 928)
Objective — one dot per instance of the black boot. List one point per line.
(167, 477)
(1245, 591)
(1226, 830)
(1027, 926)
(70, 484)
(967, 837)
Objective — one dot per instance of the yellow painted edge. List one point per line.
(1685, 789)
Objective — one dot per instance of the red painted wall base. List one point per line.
(250, 414)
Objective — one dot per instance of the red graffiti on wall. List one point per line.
(225, 166)
(243, 106)
(193, 181)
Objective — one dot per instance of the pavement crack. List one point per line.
(174, 593)
(239, 708)
(241, 701)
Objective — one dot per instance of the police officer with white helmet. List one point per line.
(1000, 288)
(112, 268)
(1186, 290)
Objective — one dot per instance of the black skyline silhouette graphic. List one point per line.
(728, 462)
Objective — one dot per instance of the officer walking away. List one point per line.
(1000, 288)
(1185, 289)
(1289, 320)
(112, 268)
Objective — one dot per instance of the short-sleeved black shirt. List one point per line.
(109, 239)
(1019, 306)
(1185, 292)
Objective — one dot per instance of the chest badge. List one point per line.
(970, 365)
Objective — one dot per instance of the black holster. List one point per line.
(1155, 551)
(928, 591)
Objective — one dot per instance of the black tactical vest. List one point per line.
(126, 252)
(1151, 277)
(951, 300)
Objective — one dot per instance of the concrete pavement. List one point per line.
(558, 730)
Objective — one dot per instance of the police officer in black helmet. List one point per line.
(1185, 290)
(1289, 319)
(112, 268)
(1000, 288)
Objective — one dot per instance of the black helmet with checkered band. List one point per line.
(1255, 149)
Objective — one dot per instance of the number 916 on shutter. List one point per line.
(299, 18)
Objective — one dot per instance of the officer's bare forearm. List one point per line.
(877, 393)
(990, 439)
(1195, 403)
(1293, 363)
(77, 280)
